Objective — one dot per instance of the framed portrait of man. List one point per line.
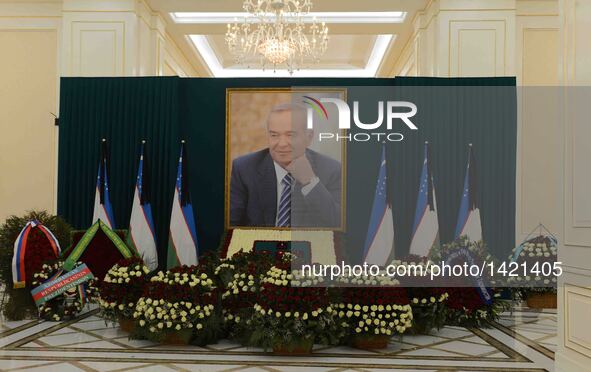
(281, 172)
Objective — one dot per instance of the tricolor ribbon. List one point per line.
(82, 293)
(20, 246)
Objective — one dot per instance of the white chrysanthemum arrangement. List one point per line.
(374, 319)
(535, 266)
(374, 306)
(121, 288)
(240, 279)
(427, 301)
(286, 314)
(180, 299)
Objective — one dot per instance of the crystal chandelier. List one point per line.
(274, 31)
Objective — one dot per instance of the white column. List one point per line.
(574, 328)
(539, 140)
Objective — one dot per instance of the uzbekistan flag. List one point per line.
(379, 242)
(141, 225)
(20, 247)
(425, 231)
(469, 216)
(182, 241)
(102, 202)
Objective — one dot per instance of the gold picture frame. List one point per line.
(229, 154)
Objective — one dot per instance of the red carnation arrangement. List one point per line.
(182, 283)
(279, 295)
(122, 287)
(240, 281)
(178, 304)
(465, 300)
(291, 314)
(375, 295)
(467, 308)
(101, 253)
(38, 251)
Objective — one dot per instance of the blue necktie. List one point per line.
(284, 211)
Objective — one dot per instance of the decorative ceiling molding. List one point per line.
(204, 49)
(353, 28)
(328, 17)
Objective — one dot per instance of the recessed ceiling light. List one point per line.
(328, 17)
(217, 70)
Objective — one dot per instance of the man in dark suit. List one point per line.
(286, 184)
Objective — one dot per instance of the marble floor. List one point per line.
(524, 340)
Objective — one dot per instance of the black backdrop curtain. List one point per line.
(165, 110)
(453, 113)
(124, 111)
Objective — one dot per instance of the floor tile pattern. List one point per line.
(523, 340)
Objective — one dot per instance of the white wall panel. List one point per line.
(99, 43)
(539, 197)
(577, 308)
(28, 96)
(98, 49)
(477, 48)
(574, 307)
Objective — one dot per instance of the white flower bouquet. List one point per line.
(177, 307)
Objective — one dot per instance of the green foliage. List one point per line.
(18, 304)
(523, 293)
(478, 249)
(211, 332)
(428, 317)
(480, 318)
(269, 332)
(237, 300)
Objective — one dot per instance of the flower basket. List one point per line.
(120, 290)
(299, 347)
(539, 255)
(239, 279)
(366, 341)
(68, 304)
(372, 307)
(182, 337)
(428, 303)
(17, 303)
(126, 324)
(177, 307)
(546, 300)
(291, 313)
